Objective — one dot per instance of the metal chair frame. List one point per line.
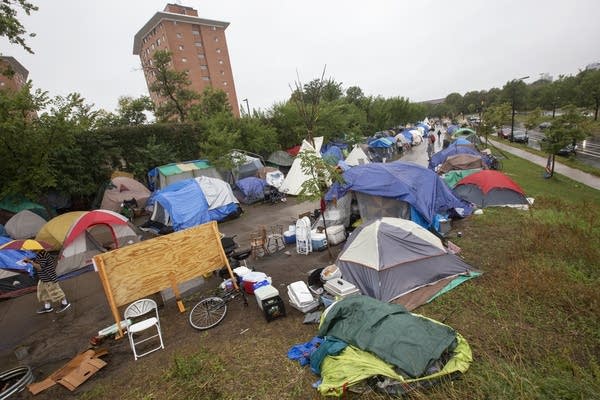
(138, 309)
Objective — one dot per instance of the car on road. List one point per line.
(504, 133)
(519, 136)
(568, 150)
(545, 125)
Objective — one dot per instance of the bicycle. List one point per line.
(493, 162)
(210, 311)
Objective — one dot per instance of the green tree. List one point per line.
(212, 102)
(533, 119)
(173, 88)
(590, 89)
(10, 26)
(568, 128)
(454, 101)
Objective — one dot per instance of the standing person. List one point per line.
(48, 289)
(430, 144)
(439, 134)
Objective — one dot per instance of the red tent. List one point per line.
(490, 188)
(293, 151)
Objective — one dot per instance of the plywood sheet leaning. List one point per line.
(139, 270)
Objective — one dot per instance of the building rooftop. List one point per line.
(168, 16)
(16, 66)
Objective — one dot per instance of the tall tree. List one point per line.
(172, 86)
(10, 26)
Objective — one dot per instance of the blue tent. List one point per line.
(406, 133)
(332, 155)
(418, 186)
(192, 202)
(250, 189)
(425, 128)
(453, 149)
(451, 129)
(10, 259)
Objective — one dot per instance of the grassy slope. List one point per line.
(532, 319)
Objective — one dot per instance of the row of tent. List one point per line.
(77, 236)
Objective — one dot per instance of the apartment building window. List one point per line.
(216, 39)
(183, 59)
(204, 67)
(180, 47)
(214, 28)
(224, 83)
(205, 78)
(179, 35)
(198, 44)
(222, 72)
(195, 32)
(219, 51)
(220, 61)
(201, 56)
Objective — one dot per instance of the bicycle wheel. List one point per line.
(208, 313)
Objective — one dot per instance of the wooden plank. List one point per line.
(139, 270)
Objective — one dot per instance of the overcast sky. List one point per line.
(417, 49)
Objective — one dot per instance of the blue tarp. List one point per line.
(406, 133)
(453, 149)
(451, 129)
(9, 259)
(422, 188)
(381, 142)
(187, 205)
(252, 189)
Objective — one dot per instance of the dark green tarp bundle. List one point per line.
(390, 332)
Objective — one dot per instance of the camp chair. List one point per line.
(135, 310)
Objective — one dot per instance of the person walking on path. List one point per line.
(430, 145)
(48, 289)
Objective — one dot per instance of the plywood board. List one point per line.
(139, 270)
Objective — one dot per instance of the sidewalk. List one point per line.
(572, 173)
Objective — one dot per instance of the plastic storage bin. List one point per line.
(273, 308)
(336, 234)
(264, 293)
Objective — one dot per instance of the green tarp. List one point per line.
(389, 331)
(453, 177)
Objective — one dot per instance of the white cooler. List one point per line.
(264, 293)
(336, 234)
(340, 288)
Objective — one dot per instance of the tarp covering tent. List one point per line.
(16, 277)
(451, 129)
(122, 188)
(250, 190)
(14, 204)
(24, 225)
(357, 156)
(490, 188)
(382, 149)
(55, 230)
(165, 175)
(295, 177)
(453, 177)
(461, 162)
(193, 202)
(463, 132)
(391, 257)
(453, 149)
(280, 158)
(384, 340)
(420, 187)
(92, 233)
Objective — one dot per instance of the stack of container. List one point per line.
(340, 288)
(301, 298)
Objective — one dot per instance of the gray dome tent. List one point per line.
(391, 257)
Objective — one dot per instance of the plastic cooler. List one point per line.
(340, 288)
(318, 241)
(289, 237)
(336, 234)
(264, 293)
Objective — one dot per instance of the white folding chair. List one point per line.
(138, 309)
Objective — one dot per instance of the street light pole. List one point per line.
(512, 123)
(247, 106)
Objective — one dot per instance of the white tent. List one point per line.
(24, 225)
(294, 179)
(357, 157)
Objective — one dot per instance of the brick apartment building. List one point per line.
(13, 75)
(197, 45)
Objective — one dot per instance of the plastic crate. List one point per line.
(273, 308)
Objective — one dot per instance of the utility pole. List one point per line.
(247, 106)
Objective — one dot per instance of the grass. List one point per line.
(531, 319)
